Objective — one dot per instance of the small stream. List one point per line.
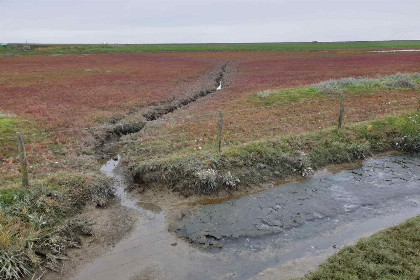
(263, 235)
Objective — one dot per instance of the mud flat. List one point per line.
(276, 234)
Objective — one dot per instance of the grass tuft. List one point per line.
(14, 265)
(36, 223)
(350, 85)
(398, 81)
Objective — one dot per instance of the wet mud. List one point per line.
(378, 187)
(276, 234)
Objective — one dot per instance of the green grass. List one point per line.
(345, 86)
(91, 48)
(9, 127)
(390, 254)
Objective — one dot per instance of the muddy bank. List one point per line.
(375, 188)
(262, 236)
(107, 225)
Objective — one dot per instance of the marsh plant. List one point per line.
(360, 85)
(265, 93)
(398, 81)
(37, 224)
(211, 181)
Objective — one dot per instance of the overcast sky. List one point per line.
(200, 21)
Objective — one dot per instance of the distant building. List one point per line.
(26, 48)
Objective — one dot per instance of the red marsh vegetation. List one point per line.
(251, 72)
(75, 90)
(79, 90)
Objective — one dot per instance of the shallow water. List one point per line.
(265, 233)
(392, 51)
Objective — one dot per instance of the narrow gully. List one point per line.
(109, 146)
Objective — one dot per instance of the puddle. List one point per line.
(150, 206)
(112, 153)
(279, 233)
(392, 51)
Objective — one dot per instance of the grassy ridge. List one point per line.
(276, 158)
(350, 86)
(121, 48)
(390, 254)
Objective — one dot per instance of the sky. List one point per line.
(204, 21)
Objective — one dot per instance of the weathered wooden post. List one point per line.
(341, 113)
(22, 158)
(219, 131)
(418, 104)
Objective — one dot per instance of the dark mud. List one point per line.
(310, 207)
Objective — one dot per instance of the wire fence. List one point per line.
(195, 117)
(207, 132)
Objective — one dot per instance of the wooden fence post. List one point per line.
(418, 104)
(219, 131)
(22, 158)
(341, 113)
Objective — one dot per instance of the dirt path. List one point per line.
(275, 234)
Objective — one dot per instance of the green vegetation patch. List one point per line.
(273, 159)
(130, 48)
(35, 222)
(390, 254)
(345, 86)
(9, 126)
